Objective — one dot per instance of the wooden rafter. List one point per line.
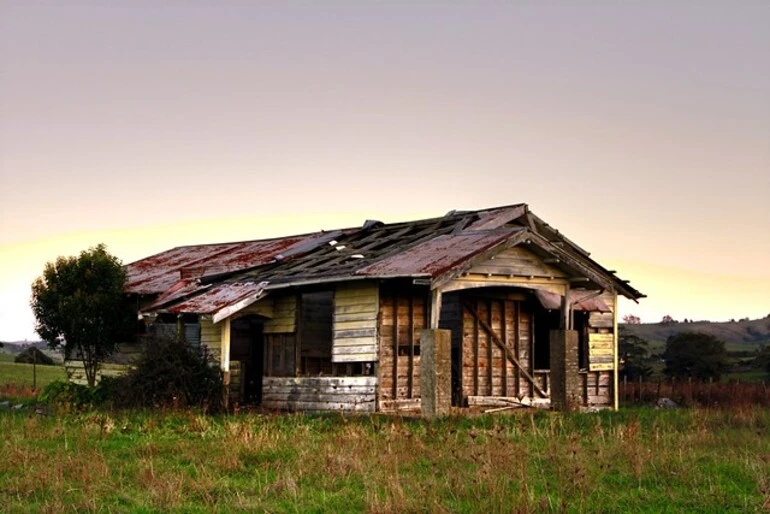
(508, 353)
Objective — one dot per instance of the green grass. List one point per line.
(636, 460)
(21, 375)
(749, 376)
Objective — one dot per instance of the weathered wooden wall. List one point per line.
(485, 368)
(403, 314)
(517, 262)
(319, 393)
(601, 363)
(284, 320)
(355, 322)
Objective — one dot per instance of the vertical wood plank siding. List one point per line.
(403, 314)
(485, 370)
(355, 322)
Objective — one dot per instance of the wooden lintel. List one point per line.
(508, 353)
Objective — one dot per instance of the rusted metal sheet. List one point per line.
(217, 298)
(495, 218)
(181, 289)
(580, 300)
(158, 273)
(436, 256)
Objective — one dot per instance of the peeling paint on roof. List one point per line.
(217, 298)
(437, 255)
(217, 278)
(496, 218)
(156, 274)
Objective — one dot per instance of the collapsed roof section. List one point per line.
(217, 278)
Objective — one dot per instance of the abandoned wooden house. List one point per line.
(334, 320)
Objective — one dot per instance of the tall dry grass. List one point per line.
(634, 460)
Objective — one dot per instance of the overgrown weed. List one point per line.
(632, 460)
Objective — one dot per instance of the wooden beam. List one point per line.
(503, 321)
(615, 398)
(410, 374)
(435, 308)
(490, 355)
(505, 349)
(475, 353)
(395, 345)
(517, 342)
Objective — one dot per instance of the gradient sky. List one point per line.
(640, 130)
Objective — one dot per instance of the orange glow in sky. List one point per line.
(641, 131)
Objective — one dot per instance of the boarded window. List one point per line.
(355, 322)
(280, 354)
(316, 333)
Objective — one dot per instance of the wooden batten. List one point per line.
(354, 334)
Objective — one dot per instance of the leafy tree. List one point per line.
(634, 353)
(696, 355)
(79, 304)
(630, 319)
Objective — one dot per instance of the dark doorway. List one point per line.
(247, 349)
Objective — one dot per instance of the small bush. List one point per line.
(69, 396)
(169, 374)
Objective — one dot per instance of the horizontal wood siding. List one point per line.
(517, 261)
(284, 319)
(76, 372)
(355, 322)
(598, 381)
(211, 338)
(320, 393)
(264, 307)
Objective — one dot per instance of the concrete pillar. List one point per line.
(435, 372)
(565, 379)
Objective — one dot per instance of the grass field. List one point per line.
(636, 460)
(16, 379)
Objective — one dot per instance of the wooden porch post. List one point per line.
(615, 398)
(225, 360)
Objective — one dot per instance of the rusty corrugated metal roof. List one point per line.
(208, 278)
(437, 255)
(495, 218)
(158, 273)
(217, 298)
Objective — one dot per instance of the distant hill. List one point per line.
(744, 335)
(16, 347)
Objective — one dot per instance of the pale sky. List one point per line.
(640, 130)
